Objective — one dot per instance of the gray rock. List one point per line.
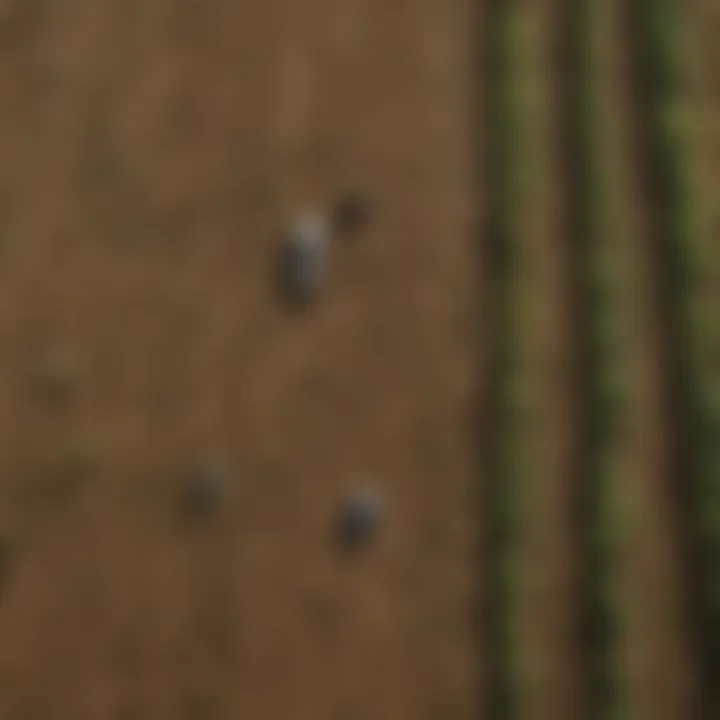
(206, 488)
(351, 213)
(363, 515)
(305, 266)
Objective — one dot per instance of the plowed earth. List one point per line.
(151, 151)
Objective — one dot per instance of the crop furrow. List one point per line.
(501, 246)
(603, 403)
(661, 87)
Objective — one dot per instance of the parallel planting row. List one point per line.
(511, 111)
(597, 270)
(506, 149)
(662, 28)
(599, 290)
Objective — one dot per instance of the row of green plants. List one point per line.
(510, 96)
(662, 30)
(599, 300)
(505, 178)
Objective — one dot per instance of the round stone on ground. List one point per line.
(362, 516)
(305, 263)
(351, 212)
(206, 489)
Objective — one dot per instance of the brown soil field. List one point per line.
(151, 151)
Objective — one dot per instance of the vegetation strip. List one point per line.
(659, 27)
(596, 325)
(506, 175)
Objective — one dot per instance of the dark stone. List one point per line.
(351, 213)
(303, 263)
(361, 518)
(205, 490)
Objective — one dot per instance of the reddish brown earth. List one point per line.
(150, 152)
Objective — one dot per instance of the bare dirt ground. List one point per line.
(151, 150)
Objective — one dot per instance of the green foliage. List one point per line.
(508, 176)
(663, 27)
(606, 392)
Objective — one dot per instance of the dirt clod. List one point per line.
(351, 213)
(361, 518)
(304, 261)
(205, 489)
(7, 556)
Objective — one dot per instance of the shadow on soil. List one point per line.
(8, 553)
(595, 418)
(494, 263)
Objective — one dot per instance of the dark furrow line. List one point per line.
(495, 262)
(672, 281)
(661, 661)
(594, 421)
(485, 327)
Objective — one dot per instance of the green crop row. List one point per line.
(599, 304)
(661, 27)
(506, 176)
